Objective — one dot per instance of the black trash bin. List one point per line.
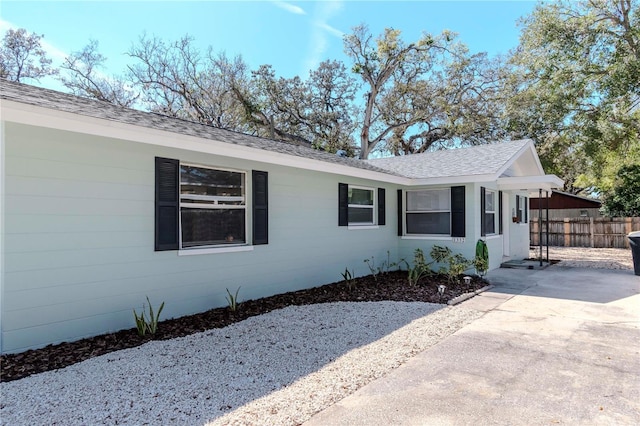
(634, 242)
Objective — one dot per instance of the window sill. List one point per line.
(427, 237)
(213, 250)
(492, 236)
(358, 227)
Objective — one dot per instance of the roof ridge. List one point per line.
(449, 150)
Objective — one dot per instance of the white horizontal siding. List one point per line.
(76, 205)
(80, 235)
(32, 186)
(34, 223)
(18, 166)
(57, 241)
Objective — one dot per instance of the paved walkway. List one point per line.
(556, 346)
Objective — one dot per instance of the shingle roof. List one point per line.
(484, 159)
(55, 100)
(476, 160)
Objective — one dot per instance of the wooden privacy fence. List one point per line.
(601, 232)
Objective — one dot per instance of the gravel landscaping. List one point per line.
(585, 257)
(276, 360)
(278, 368)
(392, 286)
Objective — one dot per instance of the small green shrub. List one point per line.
(457, 263)
(420, 267)
(401, 262)
(232, 300)
(440, 254)
(371, 263)
(389, 265)
(457, 266)
(149, 325)
(348, 278)
(481, 261)
(385, 267)
(481, 265)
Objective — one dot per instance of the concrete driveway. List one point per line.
(556, 346)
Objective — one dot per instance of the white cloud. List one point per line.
(290, 7)
(336, 32)
(54, 53)
(6, 25)
(322, 31)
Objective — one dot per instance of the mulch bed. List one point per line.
(390, 286)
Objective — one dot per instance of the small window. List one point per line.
(212, 207)
(361, 206)
(429, 212)
(584, 213)
(490, 212)
(520, 206)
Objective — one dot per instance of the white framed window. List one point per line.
(428, 212)
(212, 206)
(361, 205)
(522, 206)
(490, 208)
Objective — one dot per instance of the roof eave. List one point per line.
(530, 183)
(18, 112)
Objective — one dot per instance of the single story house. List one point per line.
(102, 206)
(563, 204)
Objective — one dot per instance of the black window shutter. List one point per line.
(343, 204)
(500, 218)
(400, 213)
(167, 204)
(457, 211)
(518, 211)
(526, 209)
(260, 189)
(382, 217)
(483, 225)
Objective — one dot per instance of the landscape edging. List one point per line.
(469, 295)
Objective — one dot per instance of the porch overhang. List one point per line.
(530, 184)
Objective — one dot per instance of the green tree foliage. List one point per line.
(317, 111)
(624, 199)
(22, 56)
(176, 79)
(85, 78)
(575, 88)
(419, 94)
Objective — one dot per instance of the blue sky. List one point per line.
(293, 36)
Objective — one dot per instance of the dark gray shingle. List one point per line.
(55, 100)
(476, 160)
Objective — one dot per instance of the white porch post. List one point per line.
(2, 227)
(506, 224)
(540, 222)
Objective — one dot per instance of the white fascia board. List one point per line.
(44, 117)
(529, 146)
(530, 183)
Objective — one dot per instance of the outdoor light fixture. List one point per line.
(441, 289)
(467, 280)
